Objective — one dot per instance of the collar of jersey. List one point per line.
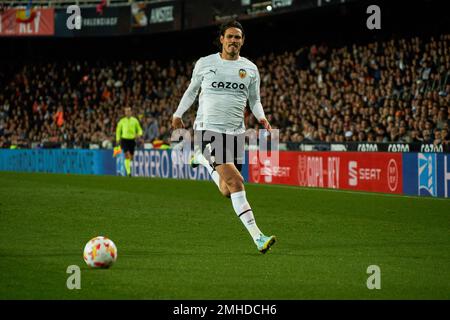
(225, 60)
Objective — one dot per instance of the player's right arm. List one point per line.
(189, 96)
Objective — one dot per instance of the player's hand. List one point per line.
(177, 123)
(117, 150)
(266, 124)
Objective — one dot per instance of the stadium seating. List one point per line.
(393, 91)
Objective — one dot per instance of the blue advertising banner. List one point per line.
(147, 163)
(163, 164)
(58, 161)
(166, 164)
(426, 174)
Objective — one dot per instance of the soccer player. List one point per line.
(227, 81)
(128, 129)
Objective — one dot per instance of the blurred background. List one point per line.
(326, 78)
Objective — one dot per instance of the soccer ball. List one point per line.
(100, 252)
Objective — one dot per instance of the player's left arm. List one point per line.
(254, 100)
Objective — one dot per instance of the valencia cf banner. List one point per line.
(27, 22)
(100, 21)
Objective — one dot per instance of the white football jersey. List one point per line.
(225, 85)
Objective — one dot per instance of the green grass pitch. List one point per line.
(180, 239)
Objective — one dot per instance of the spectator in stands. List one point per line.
(151, 129)
(59, 117)
(391, 91)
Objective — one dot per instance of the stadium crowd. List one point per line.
(392, 91)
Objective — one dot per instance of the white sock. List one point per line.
(212, 172)
(245, 213)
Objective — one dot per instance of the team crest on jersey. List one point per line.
(242, 73)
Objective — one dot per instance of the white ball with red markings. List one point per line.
(100, 252)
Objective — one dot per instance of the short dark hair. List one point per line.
(231, 24)
(224, 27)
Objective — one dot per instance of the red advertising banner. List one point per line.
(377, 171)
(24, 22)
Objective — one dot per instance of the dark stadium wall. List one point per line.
(334, 25)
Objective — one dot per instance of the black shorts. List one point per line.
(220, 148)
(128, 145)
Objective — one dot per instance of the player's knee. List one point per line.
(235, 183)
(229, 181)
(224, 189)
(225, 192)
(240, 180)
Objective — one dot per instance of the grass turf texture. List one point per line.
(180, 239)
